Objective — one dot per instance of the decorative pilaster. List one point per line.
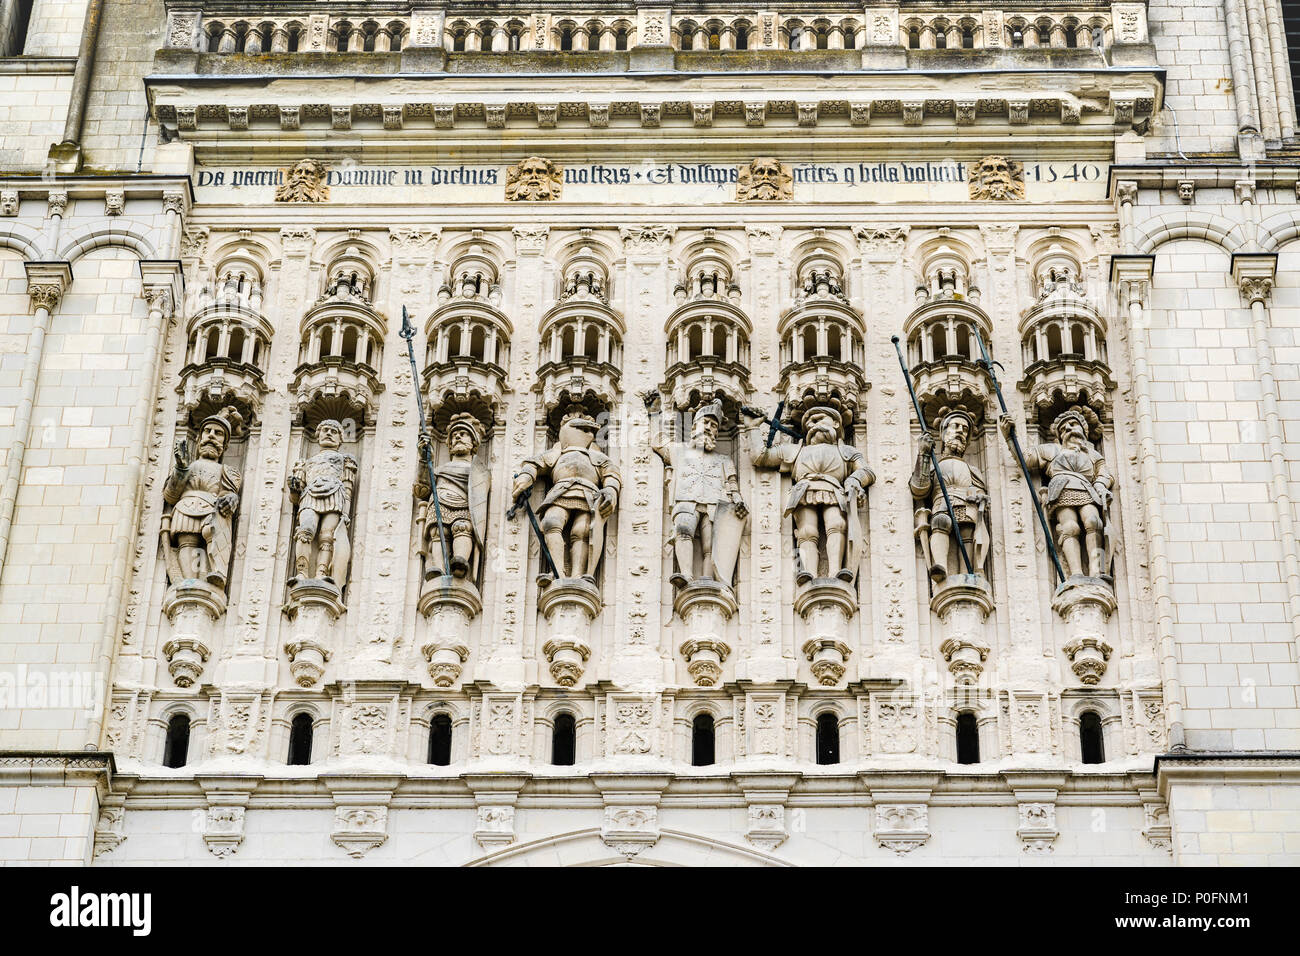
(494, 802)
(631, 810)
(46, 282)
(360, 811)
(766, 795)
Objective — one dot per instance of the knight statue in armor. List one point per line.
(829, 479)
(966, 490)
(463, 484)
(705, 497)
(321, 487)
(204, 495)
(584, 489)
(1077, 496)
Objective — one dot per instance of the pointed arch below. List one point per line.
(585, 848)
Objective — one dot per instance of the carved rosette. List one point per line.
(963, 607)
(705, 607)
(569, 606)
(826, 606)
(1086, 606)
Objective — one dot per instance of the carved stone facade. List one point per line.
(963, 497)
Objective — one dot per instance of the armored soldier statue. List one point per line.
(705, 496)
(829, 480)
(1078, 497)
(583, 493)
(463, 484)
(322, 488)
(966, 490)
(204, 495)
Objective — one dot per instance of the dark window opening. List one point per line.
(14, 18)
(828, 738)
(703, 741)
(968, 738)
(564, 741)
(440, 741)
(301, 731)
(177, 748)
(1091, 739)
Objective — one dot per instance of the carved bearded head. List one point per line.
(215, 432)
(765, 178)
(997, 178)
(535, 179)
(704, 429)
(304, 183)
(954, 431)
(1071, 429)
(464, 435)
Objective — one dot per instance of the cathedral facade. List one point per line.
(475, 434)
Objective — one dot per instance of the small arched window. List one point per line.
(564, 741)
(968, 738)
(703, 741)
(301, 731)
(440, 740)
(566, 39)
(177, 748)
(1092, 745)
(828, 738)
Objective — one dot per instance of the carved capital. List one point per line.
(530, 240)
(162, 284)
(646, 240)
(1126, 191)
(1254, 274)
(56, 202)
(175, 202)
(46, 282)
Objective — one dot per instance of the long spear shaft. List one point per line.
(934, 461)
(408, 333)
(1020, 457)
(523, 502)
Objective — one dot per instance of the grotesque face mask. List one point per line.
(534, 180)
(766, 178)
(996, 176)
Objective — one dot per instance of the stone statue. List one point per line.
(204, 495)
(997, 178)
(322, 487)
(583, 494)
(463, 484)
(1077, 496)
(304, 182)
(534, 180)
(966, 489)
(829, 480)
(706, 498)
(765, 178)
